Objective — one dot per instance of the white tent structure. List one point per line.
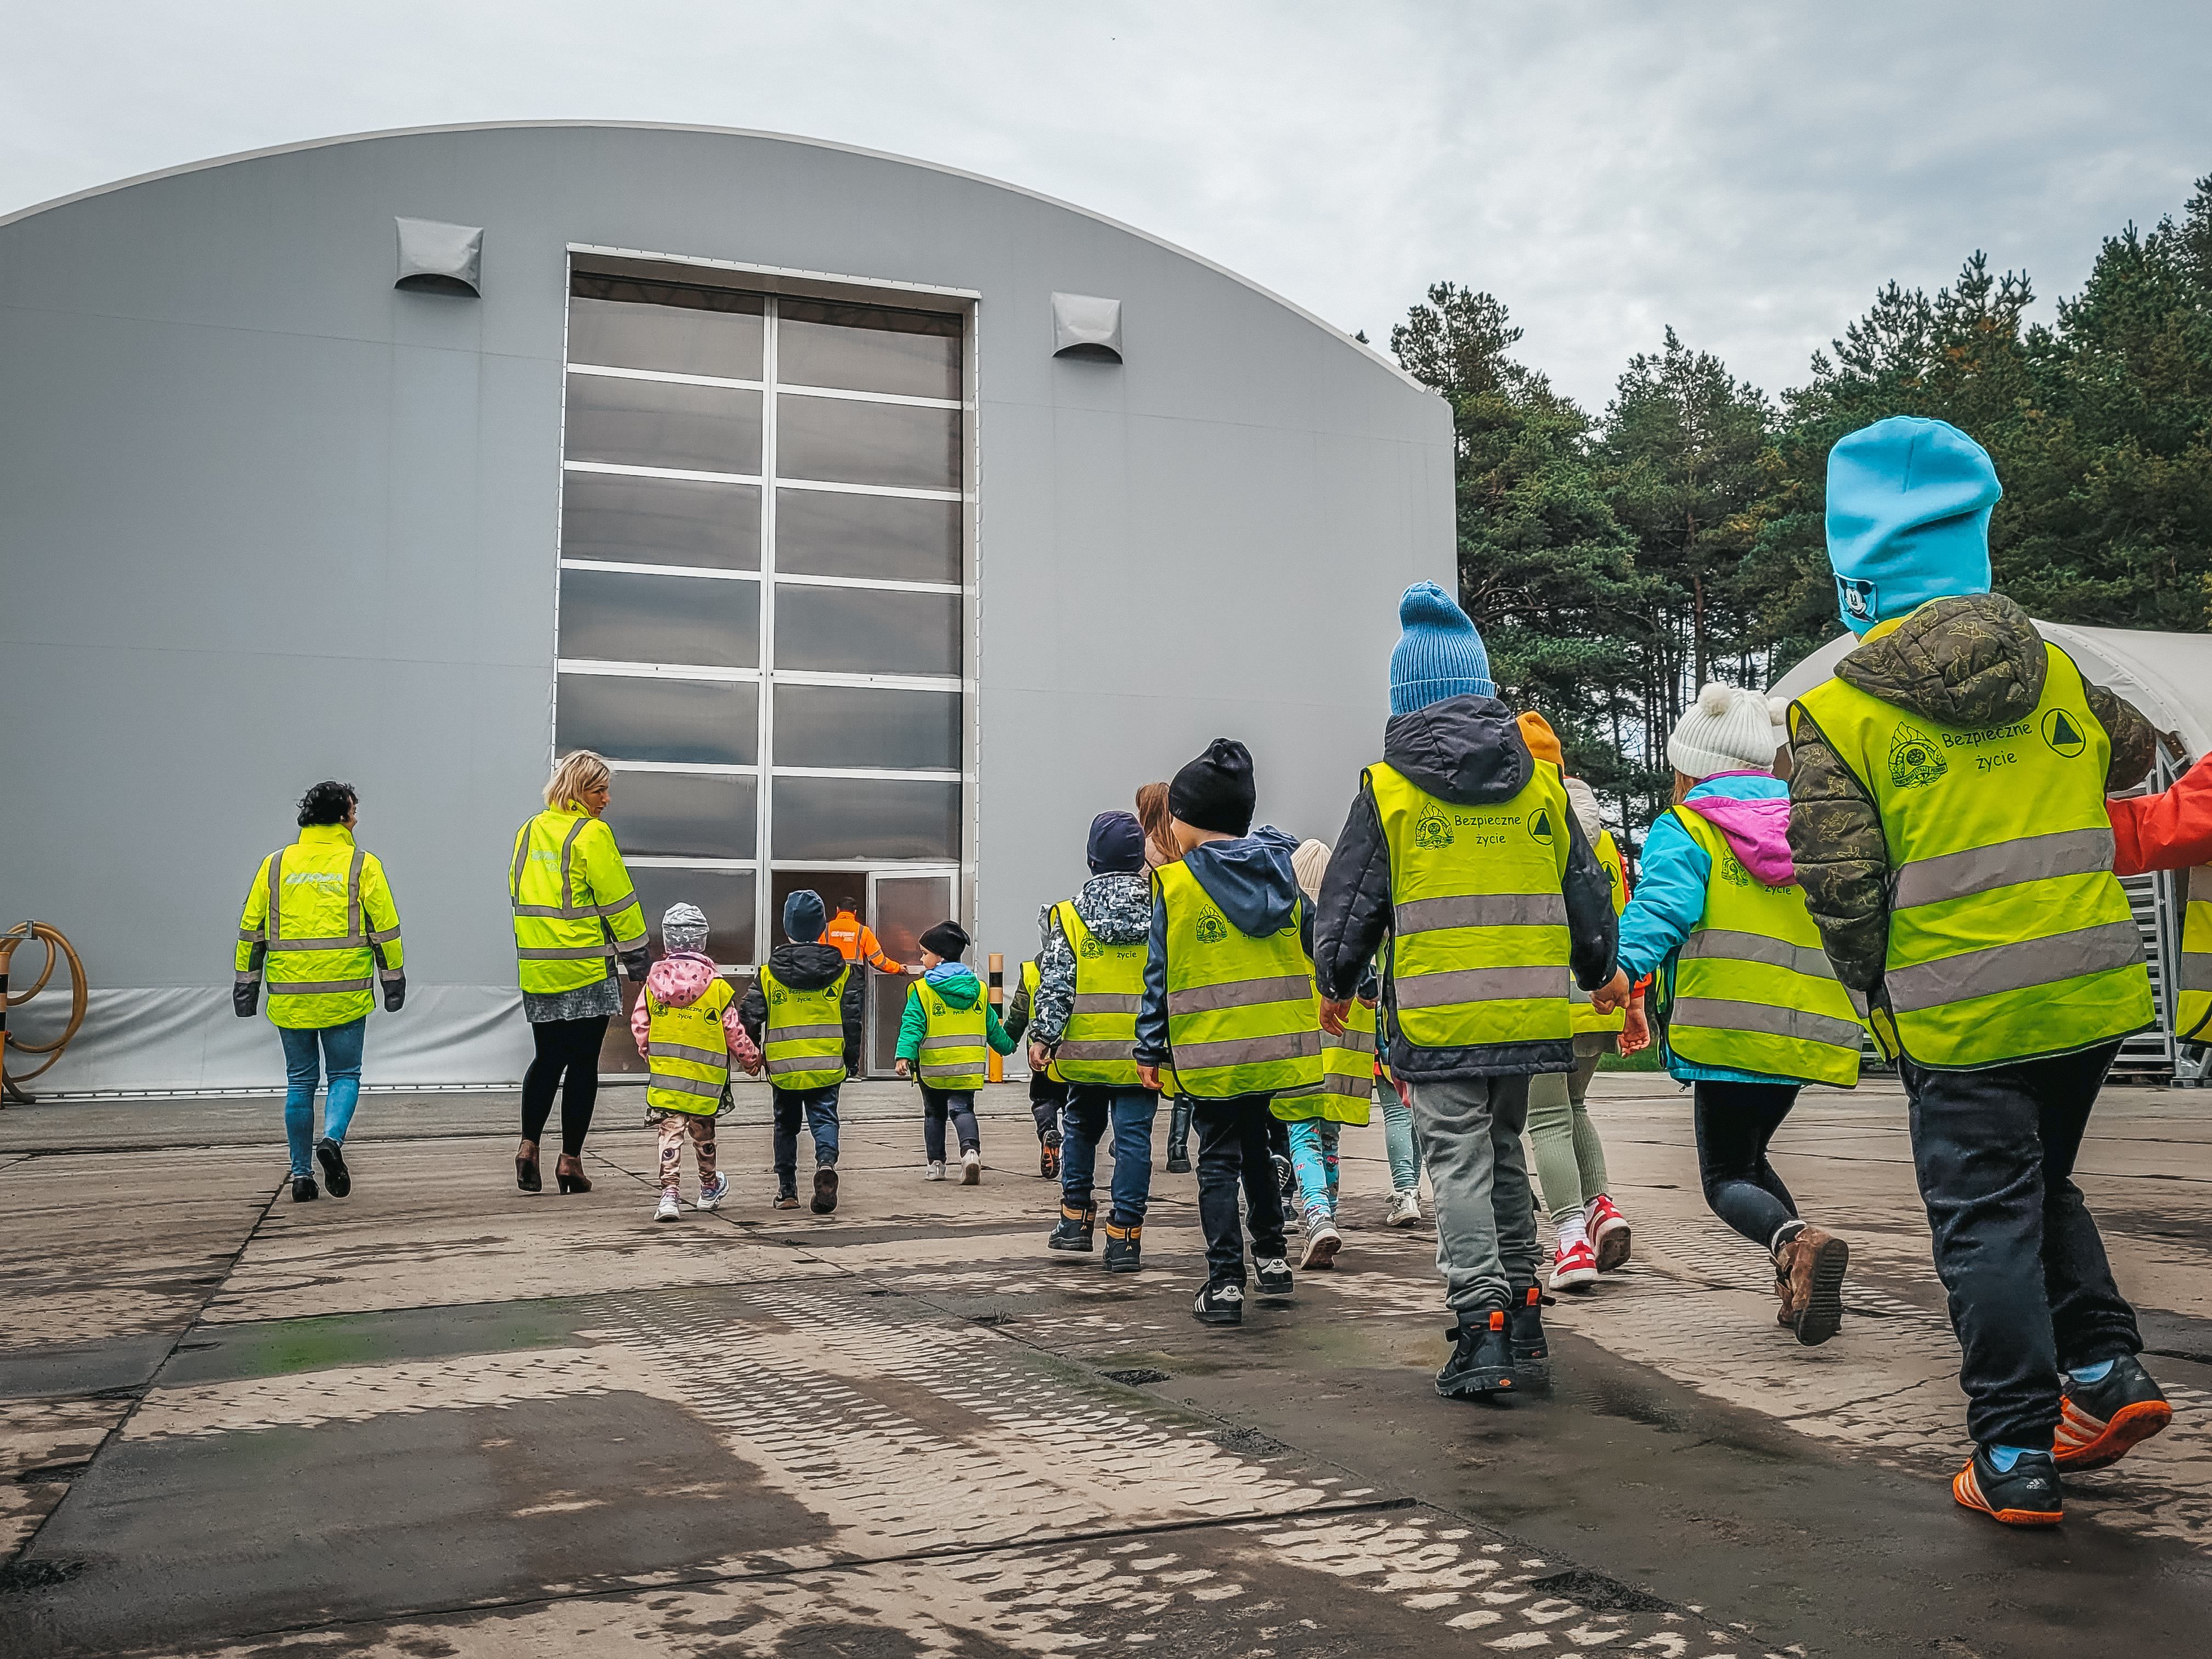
(2169, 677)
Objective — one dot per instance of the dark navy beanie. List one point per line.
(1116, 844)
(948, 940)
(804, 917)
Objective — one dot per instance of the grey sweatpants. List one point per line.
(1470, 1130)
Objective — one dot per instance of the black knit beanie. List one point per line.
(948, 940)
(1215, 792)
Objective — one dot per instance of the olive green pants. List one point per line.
(1568, 1155)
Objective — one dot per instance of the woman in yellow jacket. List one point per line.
(576, 911)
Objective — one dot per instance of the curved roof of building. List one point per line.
(731, 133)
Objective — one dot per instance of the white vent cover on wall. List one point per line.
(439, 259)
(1084, 326)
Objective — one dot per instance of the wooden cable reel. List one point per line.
(57, 947)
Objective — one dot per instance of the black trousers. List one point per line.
(2031, 1290)
(1735, 1122)
(569, 1050)
(1046, 1096)
(1233, 1147)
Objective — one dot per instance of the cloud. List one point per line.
(1748, 173)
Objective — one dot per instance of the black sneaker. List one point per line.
(1178, 1161)
(1287, 1178)
(1220, 1302)
(825, 1189)
(1124, 1246)
(2028, 1495)
(2100, 1422)
(1275, 1276)
(1481, 1360)
(1048, 1155)
(1073, 1232)
(1525, 1333)
(303, 1188)
(336, 1175)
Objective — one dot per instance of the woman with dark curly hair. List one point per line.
(320, 921)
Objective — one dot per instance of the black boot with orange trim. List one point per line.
(1481, 1362)
(2025, 1495)
(1531, 1355)
(2101, 1420)
(1125, 1244)
(1075, 1228)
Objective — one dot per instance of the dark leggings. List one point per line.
(937, 1104)
(569, 1046)
(1046, 1098)
(1735, 1122)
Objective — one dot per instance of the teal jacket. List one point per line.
(957, 984)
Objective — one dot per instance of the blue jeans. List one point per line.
(1313, 1155)
(307, 1055)
(820, 1108)
(1401, 1143)
(1082, 1122)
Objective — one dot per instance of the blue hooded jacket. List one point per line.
(1909, 505)
(1250, 878)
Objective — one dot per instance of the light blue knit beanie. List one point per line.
(1909, 504)
(1439, 654)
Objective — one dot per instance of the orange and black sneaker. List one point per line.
(2026, 1495)
(2100, 1422)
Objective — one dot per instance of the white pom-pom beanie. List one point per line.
(1728, 729)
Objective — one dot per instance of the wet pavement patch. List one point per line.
(278, 1347)
(1598, 1593)
(1132, 1378)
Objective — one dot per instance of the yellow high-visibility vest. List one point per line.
(575, 907)
(1582, 1012)
(1099, 1046)
(1479, 947)
(1347, 1074)
(688, 1052)
(319, 916)
(1752, 988)
(1242, 1018)
(2193, 1007)
(802, 1039)
(956, 1049)
(2009, 937)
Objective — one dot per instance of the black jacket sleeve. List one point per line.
(1152, 1010)
(1593, 930)
(1354, 912)
(752, 1012)
(854, 1006)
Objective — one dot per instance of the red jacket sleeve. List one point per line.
(2172, 830)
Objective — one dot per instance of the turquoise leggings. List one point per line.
(1313, 1156)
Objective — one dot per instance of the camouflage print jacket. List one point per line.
(1974, 661)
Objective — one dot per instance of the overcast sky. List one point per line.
(1748, 173)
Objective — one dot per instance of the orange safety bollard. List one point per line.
(996, 1063)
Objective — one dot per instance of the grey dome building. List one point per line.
(882, 523)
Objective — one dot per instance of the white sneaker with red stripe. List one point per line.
(1576, 1265)
(1608, 1233)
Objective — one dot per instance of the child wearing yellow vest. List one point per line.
(685, 1022)
(946, 1038)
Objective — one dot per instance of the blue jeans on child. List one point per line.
(938, 1105)
(819, 1107)
(1084, 1120)
(307, 1055)
(1313, 1156)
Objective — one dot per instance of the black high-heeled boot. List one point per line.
(1179, 1136)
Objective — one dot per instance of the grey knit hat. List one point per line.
(683, 928)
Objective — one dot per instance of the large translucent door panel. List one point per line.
(904, 908)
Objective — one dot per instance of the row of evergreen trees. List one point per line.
(1615, 563)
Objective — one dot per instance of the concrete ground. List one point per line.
(440, 1417)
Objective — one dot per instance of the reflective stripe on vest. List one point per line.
(1751, 989)
(1099, 1046)
(1479, 945)
(956, 1049)
(1582, 1012)
(1242, 1018)
(561, 942)
(686, 1050)
(803, 1040)
(2193, 977)
(2009, 937)
(1347, 1074)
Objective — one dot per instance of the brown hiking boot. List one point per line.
(1786, 1314)
(1816, 1260)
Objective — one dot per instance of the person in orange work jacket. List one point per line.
(855, 940)
(2170, 830)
